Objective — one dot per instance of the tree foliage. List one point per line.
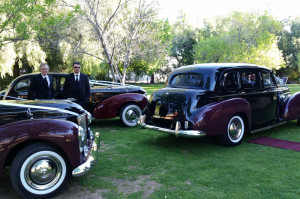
(183, 42)
(241, 37)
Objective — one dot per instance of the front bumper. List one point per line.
(86, 166)
(177, 131)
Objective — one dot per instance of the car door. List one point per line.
(258, 90)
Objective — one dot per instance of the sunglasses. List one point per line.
(76, 67)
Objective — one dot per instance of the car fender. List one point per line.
(214, 118)
(62, 133)
(110, 107)
(292, 108)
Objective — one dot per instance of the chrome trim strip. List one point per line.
(177, 132)
(268, 127)
(86, 166)
(40, 107)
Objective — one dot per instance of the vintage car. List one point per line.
(107, 100)
(45, 143)
(223, 100)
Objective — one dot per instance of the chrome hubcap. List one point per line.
(132, 115)
(235, 129)
(43, 172)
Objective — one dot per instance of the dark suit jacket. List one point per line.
(38, 88)
(80, 91)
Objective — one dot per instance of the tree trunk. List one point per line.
(16, 69)
(152, 79)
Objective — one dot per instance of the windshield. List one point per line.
(191, 80)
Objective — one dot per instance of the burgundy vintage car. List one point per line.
(223, 100)
(45, 143)
(107, 100)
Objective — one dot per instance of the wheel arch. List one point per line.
(214, 118)
(128, 103)
(12, 154)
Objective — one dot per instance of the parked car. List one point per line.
(224, 100)
(107, 100)
(45, 145)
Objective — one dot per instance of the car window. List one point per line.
(230, 80)
(191, 80)
(267, 80)
(249, 80)
(22, 85)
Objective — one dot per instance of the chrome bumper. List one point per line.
(177, 131)
(86, 166)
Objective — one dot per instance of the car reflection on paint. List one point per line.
(223, 100)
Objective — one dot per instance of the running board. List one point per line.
(268, 127)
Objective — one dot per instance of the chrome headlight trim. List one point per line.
(89, 116)
(86, 150)
(81, 133)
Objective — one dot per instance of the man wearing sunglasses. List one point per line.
(77, 86)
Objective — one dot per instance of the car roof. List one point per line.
(218, 66)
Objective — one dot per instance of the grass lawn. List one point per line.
(142, 163)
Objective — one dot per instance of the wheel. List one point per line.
(234, 133)
(130, 114)
(39, 171)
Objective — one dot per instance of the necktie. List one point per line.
(45, 80)
(76, 78)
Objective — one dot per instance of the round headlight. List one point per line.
(81, 133)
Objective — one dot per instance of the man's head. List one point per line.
(76, 67)
(44, 69)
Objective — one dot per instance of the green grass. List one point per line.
(192, 168)
(142, 163)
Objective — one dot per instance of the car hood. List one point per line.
(175, 102)
(52, 107)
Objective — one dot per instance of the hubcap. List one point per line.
(235, 129)
(43, 172)
(132, 115)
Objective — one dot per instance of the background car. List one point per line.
(107, 100)
(224, 100)
(45, 145)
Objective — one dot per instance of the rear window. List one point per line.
(191, 80)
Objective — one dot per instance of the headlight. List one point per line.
(81, 133)
(86, 150)
(89, 116)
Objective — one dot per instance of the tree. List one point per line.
(18, 19)
(289, 44)
(122, 28)
(242, 37)
(183, 42)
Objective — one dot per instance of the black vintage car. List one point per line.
(224, 100)
(45, 143)
(107, 100)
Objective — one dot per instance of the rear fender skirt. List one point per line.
(292, 108)
(110, 107)
(215, 117)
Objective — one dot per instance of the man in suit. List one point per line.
(41, 85)
(77, 86)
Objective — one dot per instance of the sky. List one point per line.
(197, 10)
